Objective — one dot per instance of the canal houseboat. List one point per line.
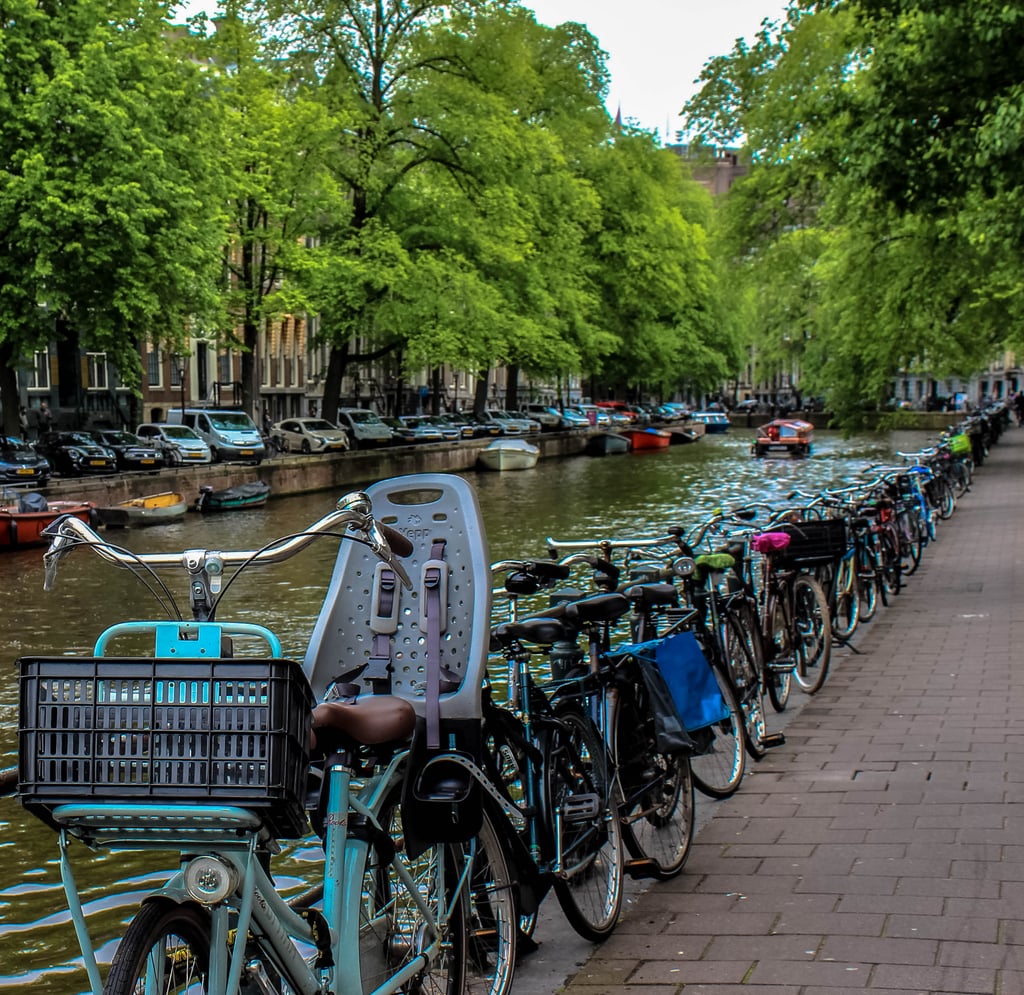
(785, 437)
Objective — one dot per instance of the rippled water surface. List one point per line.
(576, 498)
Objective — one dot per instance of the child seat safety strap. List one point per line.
(433, 619)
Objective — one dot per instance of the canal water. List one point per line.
(575, 498)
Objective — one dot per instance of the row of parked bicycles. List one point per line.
(462, 737)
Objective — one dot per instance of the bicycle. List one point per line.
(154, 770)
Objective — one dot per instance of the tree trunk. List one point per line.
(480, 396)
(512, 389)
(9, 391)
(336, 364)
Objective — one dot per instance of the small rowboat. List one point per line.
(607, 444)
(784, 436)
(644, 439)
(252, 494)
(22, 523)
(154, 509)
(509, 454)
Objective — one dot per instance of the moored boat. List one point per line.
(607, 444)
(715, 422)
(784, 436)
(153, 509)
(684, 436)
(509, 454)
(645, 439)
(252, 494)
(22, 521)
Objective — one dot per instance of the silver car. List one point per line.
(309, 435)
(179, 444)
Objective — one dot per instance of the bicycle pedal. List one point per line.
(581, 808)
(642, 868)
(781, 665)
(773, 739)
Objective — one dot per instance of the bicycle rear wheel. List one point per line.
(720, 760)
(493, 920)
(656, 789)
(737, 641)
(813, 634)
(844, 604)
(166, 949)
(583, 815)
(393, 931)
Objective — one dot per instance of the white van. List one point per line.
(231, 435)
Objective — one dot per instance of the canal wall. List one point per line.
(295, 474)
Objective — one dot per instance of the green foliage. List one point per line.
(108, 188)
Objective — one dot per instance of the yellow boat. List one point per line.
(154, 509)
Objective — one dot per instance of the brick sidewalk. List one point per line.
(882, 848)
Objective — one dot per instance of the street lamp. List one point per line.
(180, 361)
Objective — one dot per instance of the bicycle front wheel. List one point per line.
(720, 760)
(845, 601)
(165, 949)
(813, 634)
(737, 635)
(583, 816)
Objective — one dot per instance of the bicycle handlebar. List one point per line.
(353, 514)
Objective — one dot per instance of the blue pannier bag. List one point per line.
(689, 677)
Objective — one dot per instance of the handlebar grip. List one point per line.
(400, 544)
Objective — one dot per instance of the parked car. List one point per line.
(74, 454)
(451, 428)
(410, 430)
(510, 424)
(547, 416)
(179, 444)
(365, 428)
(309, 435)
(21, 464)
(231, 435)
(472, 428)
(594, 415)
(131, 452)
(573, 419)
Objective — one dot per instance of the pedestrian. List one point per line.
(23, 422)
(45, 418)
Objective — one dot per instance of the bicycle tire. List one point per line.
(869, 584)
(657, 811)
(493, 916)
(736, 639)
(392, 929)
(720, 761)
(813, 630)
(844, 601)
(777, 643)
(166, 948)
(945, 498)
(589, 883)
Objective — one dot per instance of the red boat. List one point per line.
(22, 522)
(647, 438)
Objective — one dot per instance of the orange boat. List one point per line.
(22, 522)
(784, 436)
(641, 439)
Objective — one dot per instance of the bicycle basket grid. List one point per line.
(148, 731)
(813, 542)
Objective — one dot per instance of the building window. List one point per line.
(154, 367)
(39, 378)
(96, 370)
(224, 367)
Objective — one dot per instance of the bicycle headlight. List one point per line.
(209, 880)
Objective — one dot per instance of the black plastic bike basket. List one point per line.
(229, 732)
(813, 543)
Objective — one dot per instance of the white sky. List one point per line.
(657, 48)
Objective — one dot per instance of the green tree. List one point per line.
(108, 184)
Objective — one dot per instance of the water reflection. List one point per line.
(579, 498)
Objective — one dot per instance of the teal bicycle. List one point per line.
(211, 746)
